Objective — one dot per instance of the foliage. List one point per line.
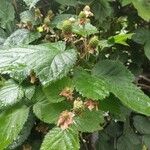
(74, 74)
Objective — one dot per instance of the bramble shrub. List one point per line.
(74, 74)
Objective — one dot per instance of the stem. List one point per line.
(145, 78)
(14, 4)
(144, 86)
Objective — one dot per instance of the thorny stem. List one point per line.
(145, 78)
(144, 86)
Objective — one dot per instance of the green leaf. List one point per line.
(2, 33)
(142, 36)
(24, 133)
(89, 86)
(59, 19)
(31, 3)
(21, 37)
(104, 44)
(67, 2)
(12, 121)
(147, 49)
(49, 62)
(38, 95)
(86, 30)
(82, 30)
(143, 8)
(146, 139)
(113, 71)
(104, 142)
(142, 124)
(131, 96)
(50, 112)
(85, 2)
(101, 9)
(125, 2)
(119, 81)
(129, 141)
(27, 16)
(89, 121)
(6, 13)
(53, 90)
(112, 105)
(29, 92)
(114, 129)
(2, 36)
(10, 94)
(120, 38)
(58, 139)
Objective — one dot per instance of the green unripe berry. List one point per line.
(50, 14)
(82, 15)
(93, 43)
(67, 27)
(46, 20)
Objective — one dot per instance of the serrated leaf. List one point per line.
(6, 12)
(53, 90)
(50, 112)
(89, 121)
(31, 3)
(27, 16)
(58, 139)
(114, 71)
(142, 124)
(49, 62)
(119, 81)
(21, 37)
(11, 123)
(131, 96)
(89, 86)
(10, 94)
(24, 133)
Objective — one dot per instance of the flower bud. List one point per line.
(40, 29)
(78, 105)
(82, 15)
